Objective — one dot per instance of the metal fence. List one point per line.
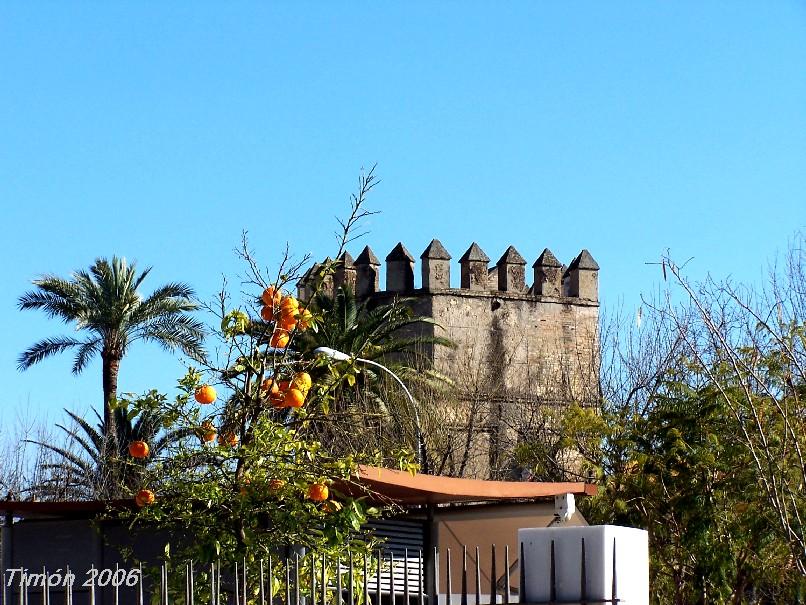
(384, 578)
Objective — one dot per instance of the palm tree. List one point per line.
(104, 303)
(371, 415)
(95, 465)
(389, 332)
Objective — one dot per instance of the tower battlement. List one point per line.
(552, 279)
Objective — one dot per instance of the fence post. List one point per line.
(507, 587)
(464, 575)
(478, 578)
(493, 578)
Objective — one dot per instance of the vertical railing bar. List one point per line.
(351, 580)
(212, 584)
(313, 579)
(139, 586)
(522, 577)
(243, 591)
(116, 583)
(448, 587)
(433, 597)
(324, 579)
(218, 583)
(463, 599)
(337, 599)
(68, 594)
(392, 587)
(237, 584)
(296, 579)
(187, 582)
(493, 578)
(92, 587)
(68, 586)
(261, 593)
(420, 578)
(366, 580)
(271, 582)
(583, 577)
(287, 581)
(478, 578)
(192, 585)
(552, 574)
(45, 585)
(164, 585)
(507, 586)
(614, 591)
(378, 577)
(406, 576)
(338, 581)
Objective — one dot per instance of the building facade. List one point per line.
(521, 349)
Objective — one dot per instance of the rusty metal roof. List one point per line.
(388, 485)
(406, 489)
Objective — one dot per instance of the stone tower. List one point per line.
(519, 346)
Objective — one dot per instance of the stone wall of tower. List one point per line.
(519, 345)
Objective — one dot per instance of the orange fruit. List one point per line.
(302, 381)
(289, 304)
(287, 322)
(144, 497)
(208, 431)
(205, 394)
(271, 296)
(267, 313)
(294, 398)
(138, 449)
(230, 439)
(318, 492)
(279, 339)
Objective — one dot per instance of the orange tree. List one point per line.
(249, 482)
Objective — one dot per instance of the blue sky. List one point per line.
(160, 131)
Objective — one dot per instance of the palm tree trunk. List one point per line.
(111, 365)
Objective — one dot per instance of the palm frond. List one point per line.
(93, 453)
(45, 348)
(96, 436)
(56, 297)
(139, 280)
(85, 353)
(67, 455)
(173, 332)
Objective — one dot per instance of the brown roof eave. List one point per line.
(406, 489)
(387, 485)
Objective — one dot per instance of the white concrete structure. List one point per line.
(568, 564)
